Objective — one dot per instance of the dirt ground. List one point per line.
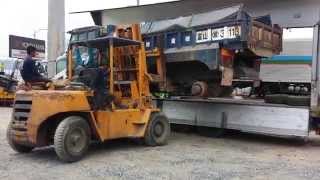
(187, 156)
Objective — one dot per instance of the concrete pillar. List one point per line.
(56, 33)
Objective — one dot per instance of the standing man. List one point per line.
(29, 72)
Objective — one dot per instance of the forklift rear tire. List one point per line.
(72, 139)
(158, 130)
(17, 147)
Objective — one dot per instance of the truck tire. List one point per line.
(199, 89)
(72, 138)
(298, 100)
(157, 131)
(17, 147)
(276, 98)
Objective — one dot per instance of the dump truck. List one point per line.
(106, 96)
(286, 79)
(208, 54)
(287, 74)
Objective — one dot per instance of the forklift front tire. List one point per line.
(158, 130)
(72, 139)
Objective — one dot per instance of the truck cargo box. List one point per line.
(231, 27)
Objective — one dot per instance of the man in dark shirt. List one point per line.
(29, 70)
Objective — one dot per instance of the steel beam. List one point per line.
(257, 118)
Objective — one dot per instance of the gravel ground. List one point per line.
(187, 156)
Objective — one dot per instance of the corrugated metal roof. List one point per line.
(283, 12)
(190, 21)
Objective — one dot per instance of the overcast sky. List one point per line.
(26, 17)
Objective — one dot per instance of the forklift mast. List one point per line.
(126, 65)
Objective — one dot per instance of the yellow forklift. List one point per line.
(8, 80)
(105, 97)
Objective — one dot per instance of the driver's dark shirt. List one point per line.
(29, 69)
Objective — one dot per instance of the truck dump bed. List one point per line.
(233, 27)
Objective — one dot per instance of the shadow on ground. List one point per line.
(239, 136)
(48, 153)
(233, 138)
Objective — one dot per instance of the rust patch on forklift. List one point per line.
(56, 96)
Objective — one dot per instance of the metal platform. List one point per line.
(253, 116)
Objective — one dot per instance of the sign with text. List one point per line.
(18, 47)
(203, 36)
(218, 34)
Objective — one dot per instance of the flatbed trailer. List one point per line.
(247, 115)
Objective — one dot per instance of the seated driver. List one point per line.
(29, 72)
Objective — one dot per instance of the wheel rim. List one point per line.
(158, 129)
(76, 141)
(199, 88)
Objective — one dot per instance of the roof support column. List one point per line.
(315, 76)
(56, 33)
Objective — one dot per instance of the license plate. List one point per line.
(218, 34)
(225, 33)
(203, 36)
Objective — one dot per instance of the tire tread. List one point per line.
(148, 139)
(60, 135)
